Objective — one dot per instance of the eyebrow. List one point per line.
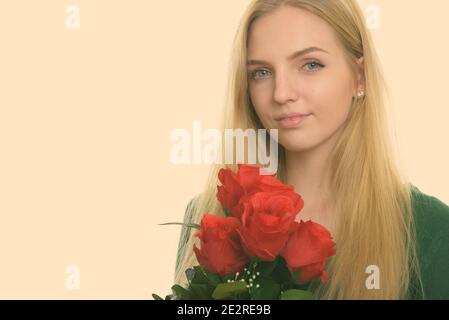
(294, 55)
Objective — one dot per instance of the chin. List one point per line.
(295, 141)
(297, 146)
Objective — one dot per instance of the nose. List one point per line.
(285, 90)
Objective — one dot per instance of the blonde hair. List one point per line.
(372, 198)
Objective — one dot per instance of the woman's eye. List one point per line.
(262, 73)
(313, 66)
(259, 73)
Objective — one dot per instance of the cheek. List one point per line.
(332, 98)
(261, 100)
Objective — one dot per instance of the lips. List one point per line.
(292, 120)
(292, 115)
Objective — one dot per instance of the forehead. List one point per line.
(288, 29)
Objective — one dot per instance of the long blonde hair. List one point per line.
(372, 197)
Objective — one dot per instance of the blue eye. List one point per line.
(256, 72)
(314, 66)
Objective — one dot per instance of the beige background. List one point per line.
(85, 119)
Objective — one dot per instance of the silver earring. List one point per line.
(360, 94)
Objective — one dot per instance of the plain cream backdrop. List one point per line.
(86, 115)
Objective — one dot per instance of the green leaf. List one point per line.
(255, 259)
(224, 290)
(228, 276)
(268, 289)
(281, 274)
(241, 296)
(156, 297)
(201, 291)
(295, 276)
(295, 294)
(196, 275)
(190, 273)
(214, 279)
(266, 267)
(226, 212)
(180, 293)
(189, 225)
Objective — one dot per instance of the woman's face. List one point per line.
(318, 83)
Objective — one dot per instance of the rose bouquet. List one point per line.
(258, 250)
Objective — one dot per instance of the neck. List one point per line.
(308, 172)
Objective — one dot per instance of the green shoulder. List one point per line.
(432, 233)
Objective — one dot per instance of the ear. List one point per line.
(361, 74)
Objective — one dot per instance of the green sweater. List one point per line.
(432, 232)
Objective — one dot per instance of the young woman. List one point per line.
(309, 69)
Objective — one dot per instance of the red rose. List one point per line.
(267, 222)
(221, 251)
(237, 187)
(230, 192)
(307, 250)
